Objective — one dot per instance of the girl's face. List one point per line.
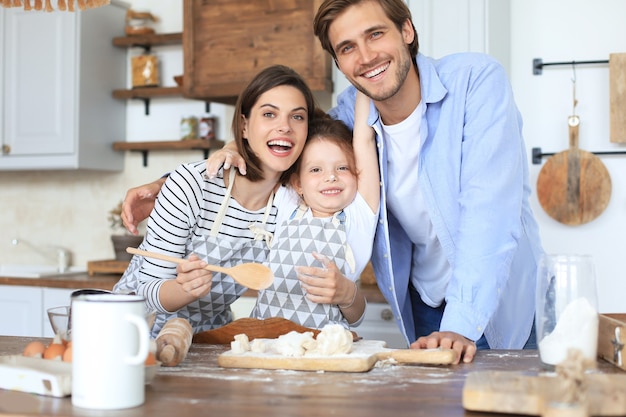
(325, 180)
(277, 129)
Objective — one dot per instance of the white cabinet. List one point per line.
(379, 324)
(23, 309)
(57, 71)
(20, 310)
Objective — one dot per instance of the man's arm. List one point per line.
(138, 204)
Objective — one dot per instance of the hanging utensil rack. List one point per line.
(538, 65)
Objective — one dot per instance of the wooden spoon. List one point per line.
(252, 275)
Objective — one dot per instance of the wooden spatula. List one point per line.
(252, 275)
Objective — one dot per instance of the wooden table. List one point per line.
(198, 386)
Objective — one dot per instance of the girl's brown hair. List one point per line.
(325, 128)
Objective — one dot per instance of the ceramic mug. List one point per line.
(110, 342)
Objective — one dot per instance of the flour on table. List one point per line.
(334, 339)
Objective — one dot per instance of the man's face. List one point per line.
(371, 52)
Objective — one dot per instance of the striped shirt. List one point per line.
(185, 209)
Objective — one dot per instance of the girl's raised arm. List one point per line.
(364, 143)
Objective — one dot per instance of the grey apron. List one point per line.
(213, 310)
(297, 239)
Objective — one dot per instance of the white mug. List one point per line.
(110, 342)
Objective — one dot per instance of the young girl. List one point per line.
(319, 252)
(209, 219)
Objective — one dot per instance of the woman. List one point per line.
(226, 220)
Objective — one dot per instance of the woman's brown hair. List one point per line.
(267, 79)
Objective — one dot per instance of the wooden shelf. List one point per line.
(147, 92)
(191, 144)
(148, 41)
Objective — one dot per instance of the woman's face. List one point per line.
(277, 129)
(325, 180)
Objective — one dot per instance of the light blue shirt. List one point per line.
(473, 173)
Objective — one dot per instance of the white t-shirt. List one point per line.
(430, 270)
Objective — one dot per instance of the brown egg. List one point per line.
(34, 349)
(54, 351)
(150, 360)
(67, 355)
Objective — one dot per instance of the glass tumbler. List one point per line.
(566, 307)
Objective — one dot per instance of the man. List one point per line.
(457, 246)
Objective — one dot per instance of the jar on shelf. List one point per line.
(188, 127)
(206, 127)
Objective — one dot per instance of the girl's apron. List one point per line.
(293, 246)
(213, 310)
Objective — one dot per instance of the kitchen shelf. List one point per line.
(190, 144)
(147, 93)
(148, 41)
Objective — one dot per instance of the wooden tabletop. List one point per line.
(198, 386)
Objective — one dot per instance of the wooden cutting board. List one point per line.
(519, 393)
(574, 186)
(364, 355)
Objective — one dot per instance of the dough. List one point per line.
(258, 346)
(334, 339)
(294, 344)
(241, 344)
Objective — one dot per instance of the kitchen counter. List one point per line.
(198, 386)
(78, 281)
(107, 281)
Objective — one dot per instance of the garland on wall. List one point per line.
(46, 5)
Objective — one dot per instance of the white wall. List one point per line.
(70, 209)
(563, 31)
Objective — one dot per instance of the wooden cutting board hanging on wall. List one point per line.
(617, 97)
(574, 186)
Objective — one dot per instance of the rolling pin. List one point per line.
(173, 341)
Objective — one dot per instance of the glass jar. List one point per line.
(188, 127)
(206, 127)
(567, 307)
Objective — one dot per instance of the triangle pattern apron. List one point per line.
(293, 246)
(213, 310)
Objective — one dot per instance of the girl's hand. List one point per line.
(227, 156)
(325, 285)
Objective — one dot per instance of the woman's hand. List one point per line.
(193, 278)
(227, 156)
(465, 349)
(138, 204)
(192, 282)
